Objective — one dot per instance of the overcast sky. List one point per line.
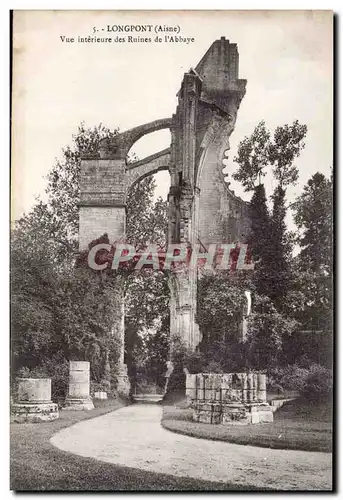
(285, 56)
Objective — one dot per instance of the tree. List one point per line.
(58, 311)
(150, 357)
(146, 291)
(267, 329)
(268, 238)
(220, 302)
(63, 188)
(259, 240)
(146, 220)
(147, 314)
(313, 217)
(260, 222)
(252, 157)
(62, 310)
(38, 260)
(273, 320)
(287, 144)
(279, 250)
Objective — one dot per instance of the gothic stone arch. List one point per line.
(202, 208)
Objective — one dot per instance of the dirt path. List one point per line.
(133, 437)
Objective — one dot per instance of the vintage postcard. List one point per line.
(172, 250)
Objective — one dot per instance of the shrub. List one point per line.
(194, 362)
(318, 384)
(57, 369)
(313, 383)
(99, 387)
(288, 378)
(213, 367)
(273, 383)
(294, 378)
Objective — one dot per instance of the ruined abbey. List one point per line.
(202, 208)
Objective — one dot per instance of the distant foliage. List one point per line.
(313, 382)
(266, 330)
(318, 384)
(220, 302)
(313, 214)
(288, 378)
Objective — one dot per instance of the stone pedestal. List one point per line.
(100, 395)
(34, 401)
(123, 384)
(230, 398)
(78, 397)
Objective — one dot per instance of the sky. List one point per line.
(285, 56)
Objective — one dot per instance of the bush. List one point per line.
(318, 384)
(273, 383)
(213, 367)
(314, 383)
(99, 387)
(221, 356)
(57, 369)
(289, 378)
(194, 362)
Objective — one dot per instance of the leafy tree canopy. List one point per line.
(262, 150)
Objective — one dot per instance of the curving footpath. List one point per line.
(133, 437)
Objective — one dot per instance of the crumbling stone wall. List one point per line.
(229, 398)
(202, 209)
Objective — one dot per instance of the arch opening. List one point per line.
(150, 144)
(147, 294)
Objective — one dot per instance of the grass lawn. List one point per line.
(298, 425)
(36, 465)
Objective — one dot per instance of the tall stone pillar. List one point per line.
(261, 394)
(103, 210)
(182, 195)
(79, 381)
(201, 206)
(250, 390)
(123, 383)
(183, 308)
(245, 314)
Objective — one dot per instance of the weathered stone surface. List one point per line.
(100, 395)
(202, 208)
(191, 388)
(34, 412)
(119, 146)
(230, 398)
(34, 390)
(33, 401)
(278, 403)
(232, 414)
(123, 385)
(261, 391)
(95, 221)
(79, 381)
(262, 416)
(140, 169)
